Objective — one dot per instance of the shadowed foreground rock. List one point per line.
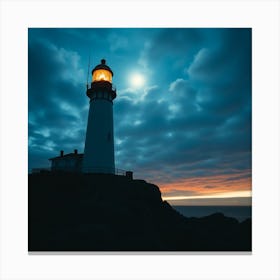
(97, 212)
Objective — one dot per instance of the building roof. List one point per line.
(70, 155)
(102, 66)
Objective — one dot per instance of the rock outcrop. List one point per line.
(98, 212)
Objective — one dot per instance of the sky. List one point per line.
(182, 116)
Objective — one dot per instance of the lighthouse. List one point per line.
(99, 144)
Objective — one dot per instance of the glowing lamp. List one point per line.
(102, 73)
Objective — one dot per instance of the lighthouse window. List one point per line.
(102, 75)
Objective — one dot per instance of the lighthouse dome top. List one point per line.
(102, 73)
(102, 66)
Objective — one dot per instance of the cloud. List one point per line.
(118, 42)
(210, 187)
(181, 136)
(56, 107)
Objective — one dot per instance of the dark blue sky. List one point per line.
(187, 128)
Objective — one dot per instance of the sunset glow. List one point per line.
(219, 195)
(211, 184)
(208, 188)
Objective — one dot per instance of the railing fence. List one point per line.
(105, 170)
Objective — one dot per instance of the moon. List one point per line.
(137, 80)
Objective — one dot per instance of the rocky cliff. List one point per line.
(98, 212)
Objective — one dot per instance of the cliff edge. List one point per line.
(101, 212)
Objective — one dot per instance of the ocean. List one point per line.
(241, 213)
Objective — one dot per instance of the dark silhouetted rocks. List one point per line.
(98, 212)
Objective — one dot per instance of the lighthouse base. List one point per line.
(99, 145)
(103, 170)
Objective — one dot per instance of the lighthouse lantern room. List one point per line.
(99, 144)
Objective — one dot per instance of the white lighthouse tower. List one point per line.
(99, 145)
